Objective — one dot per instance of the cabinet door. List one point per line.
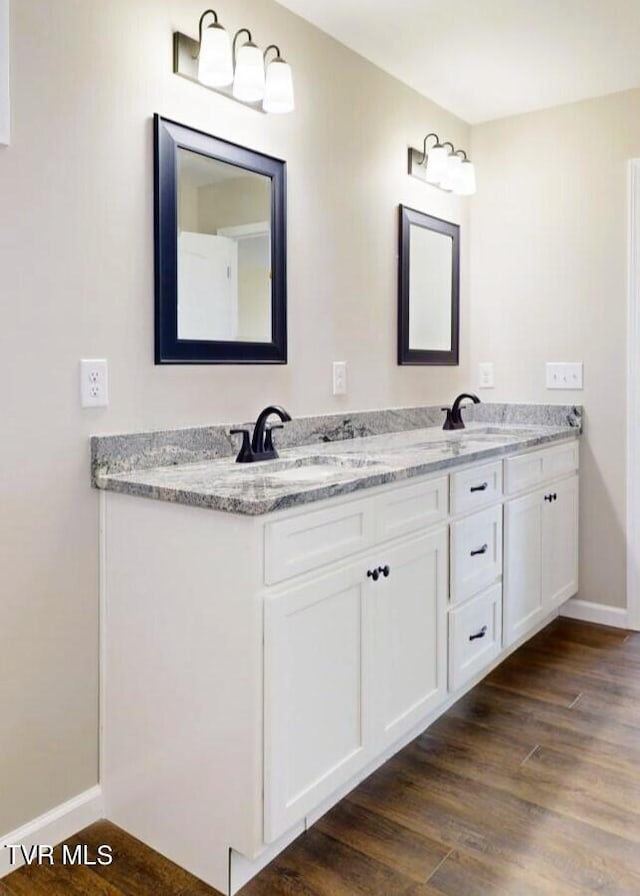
(560, 543)
(409, 660)
(523, 596)
(316, 694)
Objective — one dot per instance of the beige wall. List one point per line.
(548, 273)
(76, 280)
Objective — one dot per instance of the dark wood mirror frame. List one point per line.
(169, 138)
(406, 355)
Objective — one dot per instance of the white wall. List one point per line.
(76, 280)
(548, 273)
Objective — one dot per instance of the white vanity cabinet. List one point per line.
(409, 657)
(318, 725)
(255, 668)
(354, 657)
(541, 539)
(560, 543)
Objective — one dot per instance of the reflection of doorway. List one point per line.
(254, 279)
(207, 287)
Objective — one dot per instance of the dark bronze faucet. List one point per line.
(260, 447)
(454, 416)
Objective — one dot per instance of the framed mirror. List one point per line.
(220, 251)
(429, 289)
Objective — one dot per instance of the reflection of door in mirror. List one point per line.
(430, 274)
(207, 287)
(224, 251)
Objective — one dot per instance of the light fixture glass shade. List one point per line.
(450, 180)
(466, 185)
(278, 91)
(215, 65)
(437, 161)
(248, 83)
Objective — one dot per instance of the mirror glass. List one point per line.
(430, 289)
(428, 301)
(224, 251)
(220, 216)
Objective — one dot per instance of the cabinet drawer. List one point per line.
(411, 508)
(475, 636)
(477, 487)
(315, 539)
(530, 470)
(476, 553)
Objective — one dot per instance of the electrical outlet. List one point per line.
(339, 377)
(564, 375)
(485, 375)
(94, 386)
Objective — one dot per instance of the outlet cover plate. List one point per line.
(564, 375)
(94, 383)
(485, 375)
(339, 377)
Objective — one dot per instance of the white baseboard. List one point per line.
(588, 611)
(53, 827)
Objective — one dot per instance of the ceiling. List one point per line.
(202, 171)
(485, 59)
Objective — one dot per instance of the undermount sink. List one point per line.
(308, 470)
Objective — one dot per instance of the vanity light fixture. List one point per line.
(435, 160)
(215, 63)
(443, 166)
(278, 94)
(248, 80)
(235, 68)
(466, 185)
(452, 174)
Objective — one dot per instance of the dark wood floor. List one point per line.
(528, 786)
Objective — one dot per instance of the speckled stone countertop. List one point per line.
(314, 472)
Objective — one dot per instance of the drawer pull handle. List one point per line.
(553, 496)
(482, 550)
(385, 570)
(480, 488)
(480, 634)
(373, 574)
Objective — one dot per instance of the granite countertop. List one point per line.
(313, 472)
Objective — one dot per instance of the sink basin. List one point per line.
(311, 470)
(453, 443)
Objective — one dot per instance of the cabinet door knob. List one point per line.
(385, 570)
(482, 550)
(555, 496)
(548, 498)
(480, 634)
(480, 488)
(373, 574)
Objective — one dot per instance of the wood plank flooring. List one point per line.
(528, 786)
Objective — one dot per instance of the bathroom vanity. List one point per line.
(271, 634)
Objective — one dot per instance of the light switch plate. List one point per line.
(564, 375)
(339, 377)
(94, 383)
(485, 375)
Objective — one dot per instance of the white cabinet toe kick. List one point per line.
(256, 668)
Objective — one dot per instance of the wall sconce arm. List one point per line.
(235, 38)
(272, 47)
(207, 12)
(424, 147)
